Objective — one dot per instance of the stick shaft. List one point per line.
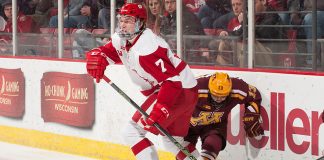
(138, 108)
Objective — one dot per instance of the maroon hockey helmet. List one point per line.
(134, 10)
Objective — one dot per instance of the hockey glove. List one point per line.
(323, 116)
(96, 64)
(158, 115)
(252, 124)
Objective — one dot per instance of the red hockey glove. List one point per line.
(96, 64)
(323, 116)
(158, 115)
(252, 124)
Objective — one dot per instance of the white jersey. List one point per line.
(149, 61)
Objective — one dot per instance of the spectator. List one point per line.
(263, 18)
(3, 24)
(295, 6)
(212, 10)
(41, 16)
(104, 14)
(154, 15)
(191, 24)
(72, 15)
(232, 29)
(24, 23)
(222, 21)
(308, 21)
(89, 10)
(28, 7)
(280, 5)
(3, 42)
(194, 5)
(263, 49)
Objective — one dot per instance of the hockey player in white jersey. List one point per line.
(164, 78)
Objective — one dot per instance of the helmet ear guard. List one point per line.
(220, 84)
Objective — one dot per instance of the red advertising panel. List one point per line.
(68, 99)
(12, 93)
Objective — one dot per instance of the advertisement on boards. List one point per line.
(12, 93)
(68, 99)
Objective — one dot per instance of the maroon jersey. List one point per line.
(210, 117)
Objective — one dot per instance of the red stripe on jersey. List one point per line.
(181, 66)
(140, 146)
(148, 102)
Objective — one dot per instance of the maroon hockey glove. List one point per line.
(96, 64)
(252, 124)
(158, 115)
(323, 116)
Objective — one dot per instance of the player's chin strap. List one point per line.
(138, 108)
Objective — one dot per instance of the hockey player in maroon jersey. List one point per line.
(163, 77)
(218, 94)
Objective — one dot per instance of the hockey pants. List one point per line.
(143, 148)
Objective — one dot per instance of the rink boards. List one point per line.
(292, 104)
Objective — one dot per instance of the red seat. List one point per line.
(65, 30)
(47, 30)
(210, 31)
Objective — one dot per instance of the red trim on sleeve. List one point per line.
(110, 51)
(181, 66)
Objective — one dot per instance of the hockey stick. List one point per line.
(321, 158)
(138, 108)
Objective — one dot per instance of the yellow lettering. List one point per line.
(206, 118)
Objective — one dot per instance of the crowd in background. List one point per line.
(218, 18)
